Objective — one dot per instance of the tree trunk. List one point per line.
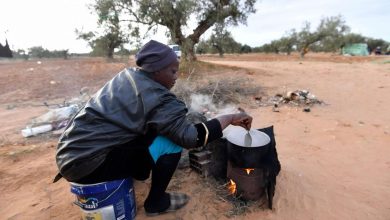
(289, 49)
(304, 51)
(189, 53)
(188, 43)
(219, 49)
(187, 47)
(110, 54)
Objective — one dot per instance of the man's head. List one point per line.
(159, 59)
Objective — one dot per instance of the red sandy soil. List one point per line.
(335, 159)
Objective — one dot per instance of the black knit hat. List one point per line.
(154, 56)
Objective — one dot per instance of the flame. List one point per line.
(232, 187)
(249, 170)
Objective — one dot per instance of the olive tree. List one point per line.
(331, 29)
(334, 44)
(176, 17)
(113, 33)
(374, 43)
(285, 44)
(223, 41)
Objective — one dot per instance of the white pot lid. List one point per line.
(236, 135)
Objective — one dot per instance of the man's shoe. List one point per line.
(178, 200)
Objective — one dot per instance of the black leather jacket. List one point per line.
(129, 107)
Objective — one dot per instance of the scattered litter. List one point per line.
(59, 131)
(258, 99)
(55, 115)
(27, 132)
(53, 120)
(275, 108)
(57, 118)
(297, 98)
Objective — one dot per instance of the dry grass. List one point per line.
(222, 90)
(240, 206)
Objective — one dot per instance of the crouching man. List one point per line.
(133, 126)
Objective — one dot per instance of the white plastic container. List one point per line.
(56, 115)
(27, 132)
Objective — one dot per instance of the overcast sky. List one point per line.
(52, 23)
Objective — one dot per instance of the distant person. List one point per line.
(134, 125)
(378, 51)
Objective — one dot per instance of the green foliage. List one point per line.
(174, 15)
(40, 52)
(258, 49)
(353, 38)
(123, 52)
(288, 43)
(374, 43)
(275, 46)
(328, 36)
(100, 47)
(222, 41)
(330, 32)
(20, 54)
(246, 49)
(114, 33)
(203, 47)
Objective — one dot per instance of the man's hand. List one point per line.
(239, 119)
(242, 119)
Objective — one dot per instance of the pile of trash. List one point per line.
(56, 118)
(297, 98)
(300, 98)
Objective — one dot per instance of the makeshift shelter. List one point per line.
(360, 49)
(5, 51)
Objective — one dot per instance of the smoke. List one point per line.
(204, 104)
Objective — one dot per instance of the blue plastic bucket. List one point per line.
(114, 200)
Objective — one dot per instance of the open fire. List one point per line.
(232, 187)
(249, 170)
(250, 175)
(246, 183)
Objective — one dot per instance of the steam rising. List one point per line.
(204, 104)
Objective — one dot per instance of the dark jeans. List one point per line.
(124, 162)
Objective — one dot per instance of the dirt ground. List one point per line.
(335, 159)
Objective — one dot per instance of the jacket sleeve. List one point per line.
(168, 118)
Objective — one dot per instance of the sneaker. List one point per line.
(178, 200)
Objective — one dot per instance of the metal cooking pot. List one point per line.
(242, 155)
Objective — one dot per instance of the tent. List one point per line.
(355, 49)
